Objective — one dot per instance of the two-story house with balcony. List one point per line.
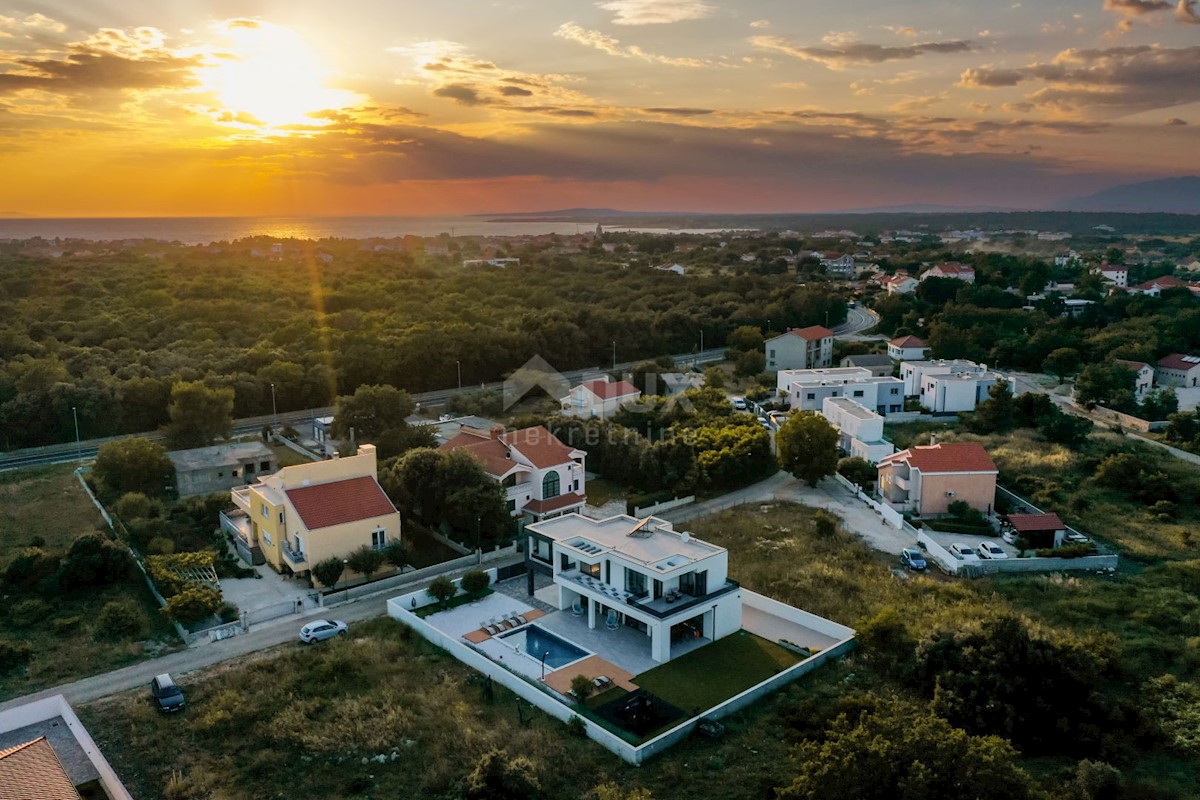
(641, 574)
(807, 390)
(926, 479)
(304, 514)
(541, 476)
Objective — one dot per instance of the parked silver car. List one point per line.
(320, 629)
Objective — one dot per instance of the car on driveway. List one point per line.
(913, 559)
(965, 552)
(321, 629)
(739, 403)
(1010, 536)
(167, 694)
(991, 550)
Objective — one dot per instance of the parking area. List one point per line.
(947, 539)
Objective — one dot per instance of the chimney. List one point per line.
(497, 431)
(932, 439)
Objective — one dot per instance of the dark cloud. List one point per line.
(1136, 8)
(515, 91)
(557, 111)
(840, 53)
(680, 112)
(87, 70)
(1125, 78)
(461, 93)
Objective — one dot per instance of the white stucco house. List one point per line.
(907, 348)
(1178, 369)
(640, 574)
(800, 348)
(1143, 376)
(860, 430)
(951, 269)
(541, 476)
(807, 389)
(599, 397)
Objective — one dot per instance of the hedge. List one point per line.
(637, 501)
(960, 526)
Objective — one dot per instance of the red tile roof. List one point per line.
(607, 390)
(540, 446)
(1024, 523)
(492, 452)
(32, 770)
(907, 341)
(945, 457)
(1163, 282)
(1136, 366)
(1179, 361)
(812, 333)
(555, 503)
(339, 502)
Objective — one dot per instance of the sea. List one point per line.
(203, 230)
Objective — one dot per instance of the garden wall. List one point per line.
(1129, 421)
(666, 505)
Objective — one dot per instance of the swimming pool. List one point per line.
(533, 641)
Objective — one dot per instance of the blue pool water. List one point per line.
(533, 641)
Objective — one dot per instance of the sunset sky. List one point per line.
(300, 107)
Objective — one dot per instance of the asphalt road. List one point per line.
(857, 320)
(86, 450)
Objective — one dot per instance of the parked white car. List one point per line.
(1009, 536)
(739, 403)
(321, 629)
(991, 550)
(967, 554)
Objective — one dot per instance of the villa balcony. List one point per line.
(660, 608)
(236, 523)
(295, 559)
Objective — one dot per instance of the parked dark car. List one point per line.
(913, 559)
(167, 694)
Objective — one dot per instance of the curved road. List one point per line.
(857, 320)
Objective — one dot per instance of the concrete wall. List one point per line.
(666, 505)
(791, 614)
(977, 490)
(1086, 563)
(1128, 421)
(939, 555)
(57, 706)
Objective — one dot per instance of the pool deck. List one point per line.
(593, 667)
(480, 635)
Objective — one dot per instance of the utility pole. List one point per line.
(614, 355)
(458, 364)
(274, 413)
(78, 444)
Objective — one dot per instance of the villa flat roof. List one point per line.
(851, 407)
(654, 544)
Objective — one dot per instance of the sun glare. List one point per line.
(269, 77)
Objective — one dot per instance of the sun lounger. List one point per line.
(602, 682)
(520, 620)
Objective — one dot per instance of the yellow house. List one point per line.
(305, 514)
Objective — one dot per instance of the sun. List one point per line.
(268, 77)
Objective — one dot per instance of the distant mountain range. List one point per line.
(1168, 196)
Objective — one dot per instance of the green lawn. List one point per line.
(716, 672)
(460, 600)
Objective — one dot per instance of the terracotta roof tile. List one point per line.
(1023, 523)
(812, 333)
(540, 446)
(492, 452)
(339, 502)
(1162, 282)
(32, 771)
(907, 341)
(1179, 361)
(607, 390)
(555, 503)
(945, 457)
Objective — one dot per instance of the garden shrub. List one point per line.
(475, 581)
(121, 618)
(30, 568)
(64, 625)
(442, 589)
(193, 604)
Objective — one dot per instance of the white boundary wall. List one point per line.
(890, 515)
(402, 608)
(665, 505)
(57, 706)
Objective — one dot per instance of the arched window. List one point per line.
(550, 485)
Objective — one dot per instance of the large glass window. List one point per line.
(550, 485)
(635, 582)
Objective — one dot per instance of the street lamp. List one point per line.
(614, 354)
(544, 664)
(78, 445)
(274, 413)
(458, 364)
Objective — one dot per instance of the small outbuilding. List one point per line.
(217, 469)
(1040, 530)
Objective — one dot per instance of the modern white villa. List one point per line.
(640, 574)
